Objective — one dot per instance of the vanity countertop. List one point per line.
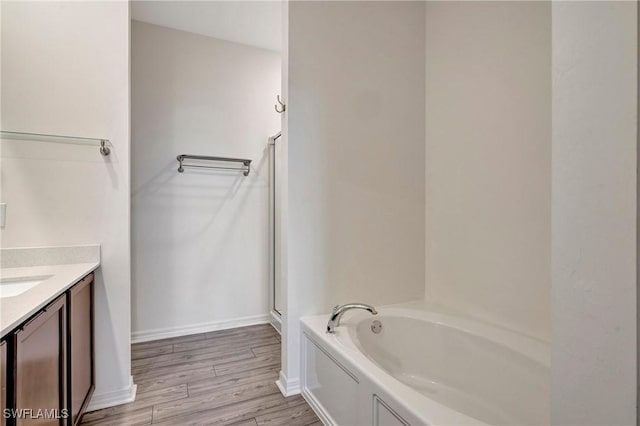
(15, 310)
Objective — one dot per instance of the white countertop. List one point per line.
(15, 310)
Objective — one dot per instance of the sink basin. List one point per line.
(10, 287)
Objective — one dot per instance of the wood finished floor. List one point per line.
(221, 378)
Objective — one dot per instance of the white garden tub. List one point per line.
(423, 367)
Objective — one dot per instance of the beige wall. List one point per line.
(355, 142)
(488, 161)
(65, 70)
(200, 238)
(595, 106)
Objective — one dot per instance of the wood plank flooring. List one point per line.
(221, 378)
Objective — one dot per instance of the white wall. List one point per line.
(355, 142)
(488, 161)
(594, 213)
(65, 70)
(200, 238)
(256, 23)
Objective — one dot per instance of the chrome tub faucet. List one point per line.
(339, 310)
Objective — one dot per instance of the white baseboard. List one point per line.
(288, 387)
(164, 333)
(111, 398)
(322, 414)
(276, 322)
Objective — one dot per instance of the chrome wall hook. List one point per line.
(283, 107)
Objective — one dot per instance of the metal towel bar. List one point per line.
(246, 163)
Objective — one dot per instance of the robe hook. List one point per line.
(283, 106)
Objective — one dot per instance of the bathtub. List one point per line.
(423, 367)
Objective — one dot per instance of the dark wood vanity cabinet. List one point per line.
(40, 366)
(81, 387)
(3, 380)
(47, 362)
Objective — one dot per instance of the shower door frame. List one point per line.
(275, 312)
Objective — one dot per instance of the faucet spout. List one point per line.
(339, 310)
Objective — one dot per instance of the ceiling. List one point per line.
(256, 23)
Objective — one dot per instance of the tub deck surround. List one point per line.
(58, 267)
(223, 377)
(423, 367)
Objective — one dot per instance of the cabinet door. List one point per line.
(81, 346)
(3, 379)
(40, 383)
